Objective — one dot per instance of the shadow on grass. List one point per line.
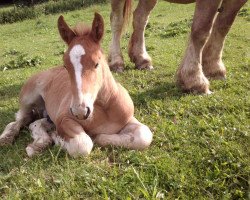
(163, 91)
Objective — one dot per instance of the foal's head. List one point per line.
(83, 62)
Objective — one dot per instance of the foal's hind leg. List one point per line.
(23, 117)
(137, 48)
(133, 136)
(190, 76)
(212, 54)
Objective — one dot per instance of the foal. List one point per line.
(203, 56)
(81, 97)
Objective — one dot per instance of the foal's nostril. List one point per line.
(87, 113)
(71, 111)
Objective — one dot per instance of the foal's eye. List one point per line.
(96, 65)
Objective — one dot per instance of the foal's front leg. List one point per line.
(71, 137)
(190, 76)
(133, 136)
(212, 64)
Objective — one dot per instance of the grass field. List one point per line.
(201, 143)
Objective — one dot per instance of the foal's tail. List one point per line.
(127, 10)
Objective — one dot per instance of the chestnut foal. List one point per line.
(82, 98)
(203, 56)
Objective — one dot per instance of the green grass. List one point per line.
(201, 143)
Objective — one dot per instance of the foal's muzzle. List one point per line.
(81, 113)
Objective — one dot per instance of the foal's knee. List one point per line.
(142, 137)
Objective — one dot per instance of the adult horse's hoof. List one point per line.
(145, 67)
(196, 84)
(119, 68)
(215, 71)
(220, 75)
(196, 91)
(144, 64)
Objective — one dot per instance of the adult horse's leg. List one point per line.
(137, 49)
(190, 76)
(116, 62)
(212, 54)
(76, 141)
(133, 136)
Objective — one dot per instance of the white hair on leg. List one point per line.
(40, 129)
(132, 136)
(81, 144)
(13, 128)
(190, 75)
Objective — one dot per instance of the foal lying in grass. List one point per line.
(81, 97)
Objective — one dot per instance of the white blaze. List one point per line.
(75, 55)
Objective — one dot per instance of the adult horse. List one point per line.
(203, 57)
(81, 97)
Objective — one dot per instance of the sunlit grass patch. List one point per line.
(201, 143)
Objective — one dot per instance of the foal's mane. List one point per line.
(82, 29)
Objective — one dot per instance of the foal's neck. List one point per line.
(109, 90)
(114, 99)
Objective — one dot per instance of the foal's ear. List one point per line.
(97, 28)
(65, 31)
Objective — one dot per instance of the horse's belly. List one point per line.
(181, 1)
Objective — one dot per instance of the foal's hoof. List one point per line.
(4, 141)
(30, 151)
(8, 134)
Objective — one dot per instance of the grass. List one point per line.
(20, 13)
(201, 143)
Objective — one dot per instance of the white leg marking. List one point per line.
(191, 71)
(81, 144)
(133, 136)
(75, 55)
(40, 129)
(9, 133)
